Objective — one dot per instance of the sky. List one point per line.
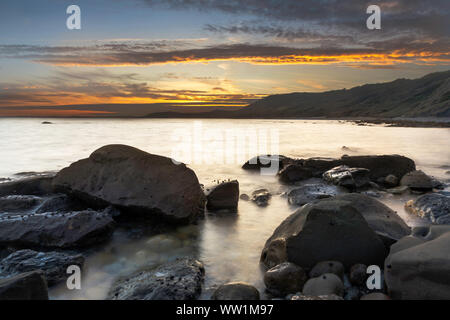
(131, 57)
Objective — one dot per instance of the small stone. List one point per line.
(244, 197)
(323, 267)
(236, 291)
(284, 279)
(261, 197)
(326, 284)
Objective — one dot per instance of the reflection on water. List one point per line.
(228, 245)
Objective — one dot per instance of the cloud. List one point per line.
(376, 52)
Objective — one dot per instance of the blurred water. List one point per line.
(229, 246)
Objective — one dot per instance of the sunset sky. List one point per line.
(174, 53)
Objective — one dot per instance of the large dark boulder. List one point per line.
(25, 286)
(57, 230)
(326, 230)
(418, 266)
(386, 223)
(137, 182)
(381, 166)
(36, 186)
(224, 196)
(54, 264)
(178, 280)
(433, 207)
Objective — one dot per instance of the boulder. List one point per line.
(386, 223)
(284, 279)
(224, 196)
(277, 162)
(236, 291)
(261, 197)
(351, 178)
(334, 267)
(418, 266)
(417, 181)
(135, 181)
(53, 264)
(178, 280)
(293, 173)
(25, 286)
(433, 207)
(326, 284)
(36, 186)
(311, 192)
(381, 166)
(326, 230)
(358, 275)
(57, 230)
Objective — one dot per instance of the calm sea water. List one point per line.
(229, 246)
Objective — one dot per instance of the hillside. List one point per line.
(428, 96)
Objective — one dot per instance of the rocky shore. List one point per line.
(323, 251)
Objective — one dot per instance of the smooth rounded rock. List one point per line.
(326, 284)
(284, 279)
(225, 196)
(236, 291)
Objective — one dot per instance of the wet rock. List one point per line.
(318, 165)
(18, 203)
(326, 230)
(358, 274)
(60, 203)
(351, 178)
(284, 279)
(386, 223)
(224, 196)
(54, 264)
(35, 186)
(236, 291)
(381, 166)
(275, 162)
(417, 181)
(418, 266)
(391, 181)
(433, 207)
(178, 280)
(323, 267)
(25, 286)
(293, 173)
(375, 296)
(244, 197)
(53, 230)
(139, 183)
(326, 284)
(311, 192)
(261, 197)
(398, 190)
(302, 297)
